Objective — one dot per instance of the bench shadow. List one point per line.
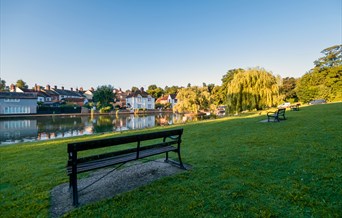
(107, 183)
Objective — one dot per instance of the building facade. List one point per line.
(172, 99)
(140, 100)
(18, 103)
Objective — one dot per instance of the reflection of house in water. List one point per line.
(120, 123)
(135, 122)
(164, 119)
(63, 126)
(17, 130)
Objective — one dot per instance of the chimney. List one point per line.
(48, 87)
(91, 89)
(55, 87)
(142, 89)
(81, 89)
(35, 87)
(62, 87)
(76, 89)
(12, 88)
(71, 89)
(38, 88)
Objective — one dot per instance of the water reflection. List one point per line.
(15, 130)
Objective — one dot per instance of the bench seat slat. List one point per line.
(96, 164)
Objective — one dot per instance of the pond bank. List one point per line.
(84, 114)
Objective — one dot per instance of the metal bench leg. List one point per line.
(167, 156)
(180, 161)
(74, 189)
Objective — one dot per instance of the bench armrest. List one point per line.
(271, 112)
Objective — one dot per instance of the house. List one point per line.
(38, 90)
(18, 103)
(172, 99)
(140, 100)
(63, 93)
(162, 100)
(52, 95)
(120, 97)
(89, 94)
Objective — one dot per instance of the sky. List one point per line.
(125, 43)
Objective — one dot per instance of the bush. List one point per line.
(106, 109)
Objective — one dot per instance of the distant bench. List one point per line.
(154, 143)
(294, 107)
(276, 115)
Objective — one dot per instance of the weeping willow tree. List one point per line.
(194, 99)
(252, 89)
(186, 98)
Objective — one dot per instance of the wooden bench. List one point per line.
(294, 107)
(276, 115)
(134, 147)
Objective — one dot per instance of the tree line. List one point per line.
(247, 89)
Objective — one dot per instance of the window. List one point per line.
(11, 100)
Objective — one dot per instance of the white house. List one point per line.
(18, 103)
(140, 99)
(172, 100)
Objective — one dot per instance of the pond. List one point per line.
(27, 129)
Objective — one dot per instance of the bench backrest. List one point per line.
(281, 111)
(101, 143)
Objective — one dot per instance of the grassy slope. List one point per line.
(241, 167)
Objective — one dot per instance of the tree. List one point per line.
(252, 89)
(226, 79)
(104, 95)
(186, 101)
(194, 99)
(287, 89)
(134, 88)
(324, 80)
(321, 83)
(210, 86)
(2, 85)
(332, 57)
(155, 91)
(171, 90)
(218, 95)
(21, 84)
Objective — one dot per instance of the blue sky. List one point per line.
(125, 43)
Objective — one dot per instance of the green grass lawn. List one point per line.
(241, 168)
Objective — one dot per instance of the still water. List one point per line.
(15, 130)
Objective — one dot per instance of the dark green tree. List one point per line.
(287, 89)
(155, 91)
(171, 90)
(324, 80)
(134, 88)
(332, 57)
(2, 85)
(104, 95)
(21, 84)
